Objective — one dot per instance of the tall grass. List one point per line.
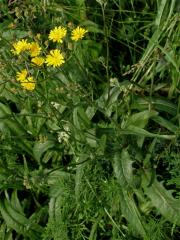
(93, 151)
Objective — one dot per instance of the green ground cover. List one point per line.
(89, 119)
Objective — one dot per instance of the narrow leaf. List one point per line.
(123, 168)
(162, 199)
(165, 123)
(131, 213)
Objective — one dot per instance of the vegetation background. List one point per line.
(94, 151)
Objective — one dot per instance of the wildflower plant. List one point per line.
(54, 58)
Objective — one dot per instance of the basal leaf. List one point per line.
(123, 168)
(162, 199)
(131, 213)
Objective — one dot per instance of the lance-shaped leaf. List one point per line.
(123, 172)
(123, 168)
(17, 221)
(162, 199)
(131, 213)
(12, 123)
(140, 119)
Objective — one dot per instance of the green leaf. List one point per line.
(91, 137)
(76, 119)
(162, 199)
(123, 172)
(133, 130)
(40, 148)
(15, 202)
(5, 233)
(164, 105)
(19, 222)
(12, 123)
(57, 176)
(165, 123)
(131, 213)
(80, 118)
(39, 123)
(10, 34)
(90, 112)
(158, 104)
(109, 99)
(140, 119)
(160, 12)
(4, 110)
(123, 168)
(83, 117)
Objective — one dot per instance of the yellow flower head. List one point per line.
(55, 58)
(21, 76)
(20, 46)
(57, 34)
(29, 84)
(38, 61)
(34, 49)
(78, 33)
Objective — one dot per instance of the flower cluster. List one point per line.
(20, 46)
(58, 33)
(27, 82)
(54, 58)
(23, 45)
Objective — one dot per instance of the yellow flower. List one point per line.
(57, 34)
(20, 46)
(21, 76)
(35, 49)
(55, 58)
(78, 33)
(38, 61)
(29, 84)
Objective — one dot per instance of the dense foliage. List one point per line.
(91, 148)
